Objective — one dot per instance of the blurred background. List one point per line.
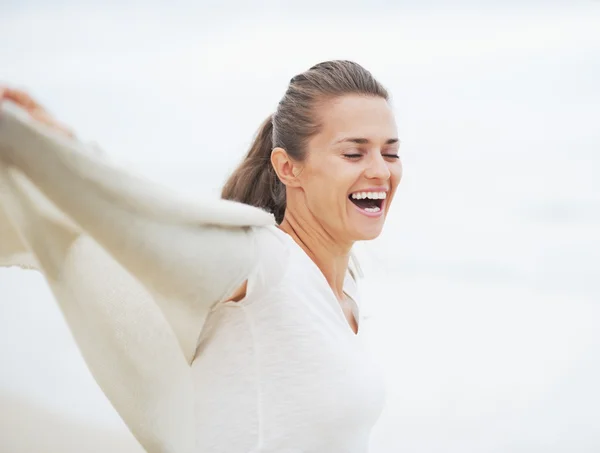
(483, 293)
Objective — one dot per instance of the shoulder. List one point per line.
(272, 257)
(272, 247)
(270, 237)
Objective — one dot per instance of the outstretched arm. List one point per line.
(188, 255)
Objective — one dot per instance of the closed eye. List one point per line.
(358, 156)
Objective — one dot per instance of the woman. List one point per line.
(255, 345)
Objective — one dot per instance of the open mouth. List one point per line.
(371, 202)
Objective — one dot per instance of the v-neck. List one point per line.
(353, 303)
(355, 310)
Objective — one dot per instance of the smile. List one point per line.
(370, 203)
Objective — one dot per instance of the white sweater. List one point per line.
(141, 276)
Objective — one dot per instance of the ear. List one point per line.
(287, 170)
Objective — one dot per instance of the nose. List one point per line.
(377, 168)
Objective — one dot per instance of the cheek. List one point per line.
(314, 182)
(396, 173)
(395, 177)
(327, 185)
(322, 177)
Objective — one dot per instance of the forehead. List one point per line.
(355, 116)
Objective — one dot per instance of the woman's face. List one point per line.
(352, 167)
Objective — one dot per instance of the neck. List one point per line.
(329, 255)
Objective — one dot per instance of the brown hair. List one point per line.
(255, 182)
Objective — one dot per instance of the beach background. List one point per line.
(482, 294)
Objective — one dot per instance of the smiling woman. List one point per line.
(218, 326)
(332, 135)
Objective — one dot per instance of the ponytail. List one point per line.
(255, 182)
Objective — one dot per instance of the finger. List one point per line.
(35, 110)
(22, 99)
(47, 119)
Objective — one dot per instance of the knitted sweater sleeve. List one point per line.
(134, 268)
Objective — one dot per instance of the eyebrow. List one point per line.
(365, 141)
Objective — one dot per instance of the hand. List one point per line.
(37, 112)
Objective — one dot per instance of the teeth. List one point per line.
(373, 209)
(370, 195)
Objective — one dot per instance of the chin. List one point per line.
(367, 233)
